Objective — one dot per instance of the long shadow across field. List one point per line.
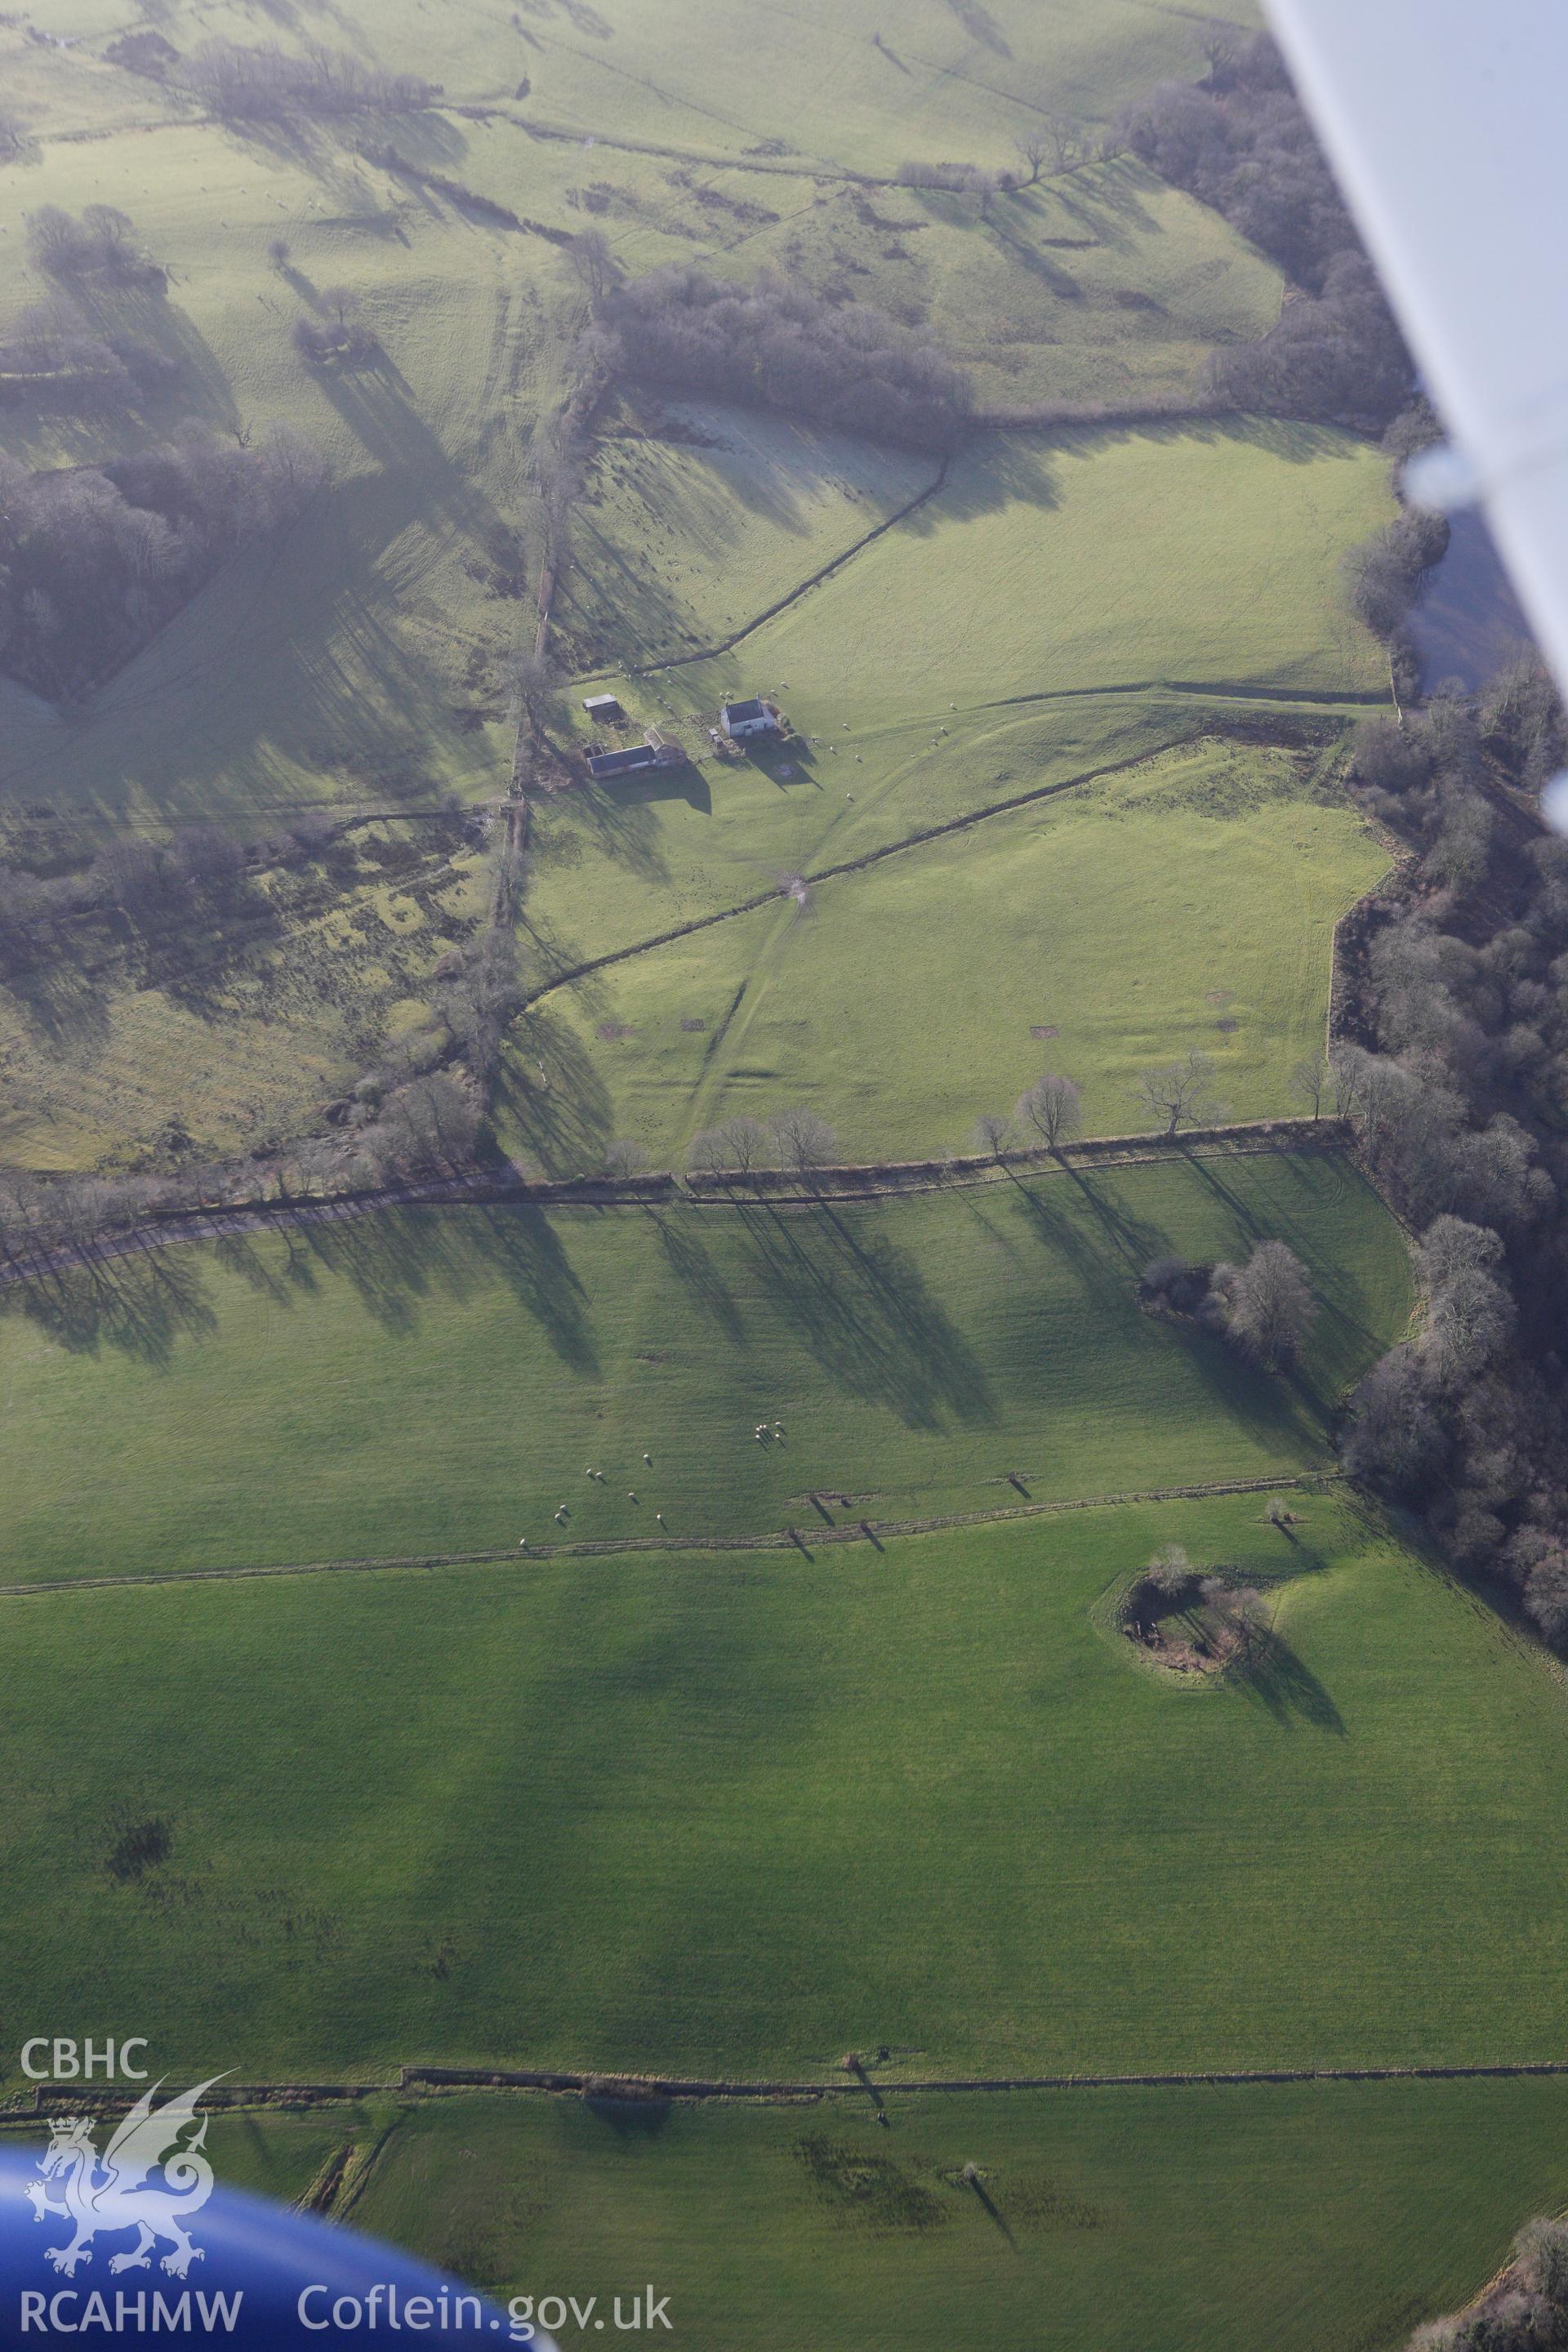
(396, 1263)
(864, 1310)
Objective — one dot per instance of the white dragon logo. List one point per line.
(121, 2199)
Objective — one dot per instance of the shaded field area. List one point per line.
(698, 516)
(1322, 2219)
(197, 1027)
(1189, 903)
(551, 1815)
(440, 1380)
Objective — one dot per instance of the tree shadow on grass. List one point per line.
(697, 1274)
(1109, 1247)
(402, 1257)
(863, 1309)
(550, 1094)
(628, 2117)
(1273, 1677)
(1335, 1293)
(140, 1307)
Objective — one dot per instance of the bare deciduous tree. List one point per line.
(803, 1140)
(1180, 1093)
(1052, 1107)
(1219, 44)
(624, 1158)
(1070, 144)
(1033, 149)
(1170, 1573)
(993, 1132)
(1268, 1304)
(1309, 1082)
(735, 1148)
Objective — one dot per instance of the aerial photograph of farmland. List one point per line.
(784, 1127)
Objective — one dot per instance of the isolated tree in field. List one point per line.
(1180, 1093)
(993, 1132)
(590, 258)
(1309, 1082)
(803, 1140)
(1268, 1303)
(343, 302)
(279, 250)
(1051, 1108)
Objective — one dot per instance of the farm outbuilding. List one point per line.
(621, 763)
(604, 706)
(740, 720)
(665, 750)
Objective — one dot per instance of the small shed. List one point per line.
(604, 706)
(740, 720)
(621, 763)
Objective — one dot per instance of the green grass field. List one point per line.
(717, 1810)
(1188, 903)
(561, 1814)
(1199, 554)
(440, 1381)
(1303, 2219)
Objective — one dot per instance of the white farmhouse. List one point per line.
(740, 720)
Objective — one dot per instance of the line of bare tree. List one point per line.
(269, 83)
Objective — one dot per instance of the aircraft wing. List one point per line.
(1442, 120)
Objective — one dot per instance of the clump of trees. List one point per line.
(268, 82)
(338, 334)
(773, 342)
(979, 186)
(1526, 2310)
(1454, 1072)
(94, 560)
(1223, 1616)
(1383, 575)
(1264, 1309)
(1241, 142)
(101, 244)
